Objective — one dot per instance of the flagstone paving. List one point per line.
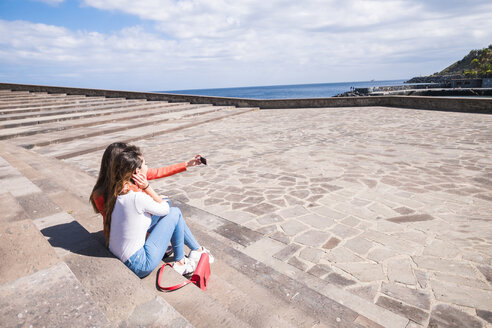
(393, 205)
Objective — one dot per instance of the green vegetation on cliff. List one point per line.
(478, 63)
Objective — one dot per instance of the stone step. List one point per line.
(64, 109)
(11, 107)
(121, 295)
(42, 98)
(59, 107)
(22, 240)
(197, 306)
(108, 110)
(76, 108)
(248, 300)
(9, 93)
(294, 303)
(57, 137)
(48, 99)
(87, 122)
(17, 97)
(52, 297)
(252, 303)
(36, 287)
(294, 285)
(33, 95)
(87, 145)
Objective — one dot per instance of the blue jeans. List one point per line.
(171, 227)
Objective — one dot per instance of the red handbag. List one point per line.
(200, 277)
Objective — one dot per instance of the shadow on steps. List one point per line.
(72, 237)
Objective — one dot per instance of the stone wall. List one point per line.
(471, 105)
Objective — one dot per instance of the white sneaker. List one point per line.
(188, 267)
(195, 255)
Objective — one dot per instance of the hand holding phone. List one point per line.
(196, 161)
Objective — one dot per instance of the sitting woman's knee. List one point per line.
(175, 211)
(174, 214)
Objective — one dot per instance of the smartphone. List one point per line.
(203, 160)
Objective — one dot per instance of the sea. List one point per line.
(318, 90)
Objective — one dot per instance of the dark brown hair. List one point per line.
(121, 170)
(102, 184)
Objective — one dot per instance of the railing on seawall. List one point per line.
(471, 105)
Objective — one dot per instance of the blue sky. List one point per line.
(188, 44)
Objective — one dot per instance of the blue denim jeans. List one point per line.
(171, 227)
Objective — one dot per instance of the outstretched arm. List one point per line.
(162, 172)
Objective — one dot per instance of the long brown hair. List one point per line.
(102, 183)
(121, 170)
(101, 188)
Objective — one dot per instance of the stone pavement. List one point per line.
(392, 205)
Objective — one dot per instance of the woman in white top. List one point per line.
(129, 214)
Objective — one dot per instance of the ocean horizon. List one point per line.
(315, 90)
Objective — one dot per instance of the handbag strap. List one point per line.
(178, 286)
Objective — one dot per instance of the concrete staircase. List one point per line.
(64, 126)
(56, 272)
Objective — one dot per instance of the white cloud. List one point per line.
(80, 53)
(47, 43)
(289, 30)
(216, 43)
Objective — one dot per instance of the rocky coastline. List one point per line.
(442, 79)
(425, 87)
(470, 76)
(358, 92)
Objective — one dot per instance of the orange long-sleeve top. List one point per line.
(154, 173)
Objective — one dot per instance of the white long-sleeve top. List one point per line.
(130, 221)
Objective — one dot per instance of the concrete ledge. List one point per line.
(448, 104)
(468, 105)
(447, 92)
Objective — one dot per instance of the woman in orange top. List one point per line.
(101, 188)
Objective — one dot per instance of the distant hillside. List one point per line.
(478, 63)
